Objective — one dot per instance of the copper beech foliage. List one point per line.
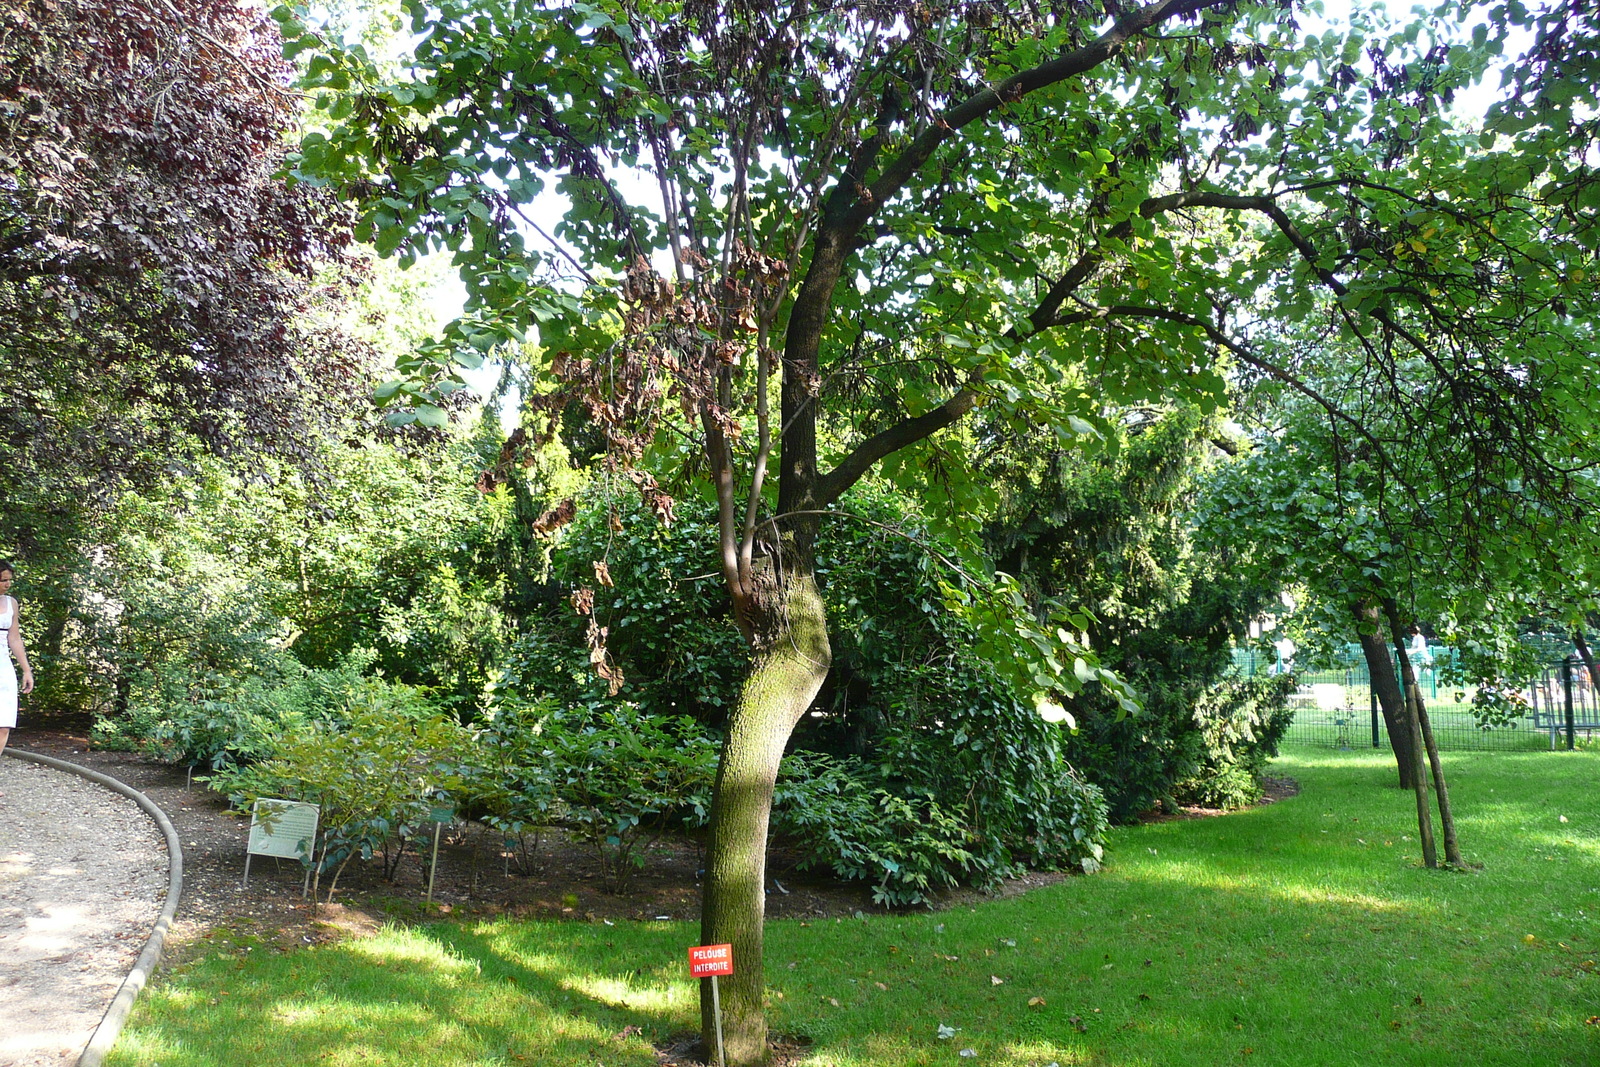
(157, 276)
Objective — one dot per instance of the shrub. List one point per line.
(908, 845)
(505, 776)
(1240, 722)
(1192, 742)
(231, 722)
(907, 849)
(376, 775)
(623, 779)
(667, 629)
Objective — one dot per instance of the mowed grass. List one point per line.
(1303, 932)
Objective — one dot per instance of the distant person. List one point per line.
(12, 630)
(1419, 652)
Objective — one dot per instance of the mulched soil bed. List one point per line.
(475, 876)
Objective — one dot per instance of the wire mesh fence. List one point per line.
(1338, 709)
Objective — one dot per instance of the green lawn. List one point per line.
(1299, 933)
(1454, 727)
(1450, 710)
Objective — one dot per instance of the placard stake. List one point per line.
(716, 1012)
(311, 862)
(708, 961)
(433, 868)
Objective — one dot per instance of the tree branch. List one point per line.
(1045, 315)
(981, 104)
(853, 203)
(887, 442)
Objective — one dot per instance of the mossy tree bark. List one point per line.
(790, 662)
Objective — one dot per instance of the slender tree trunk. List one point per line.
(1447, 820)
(788, 670)
(1430, 854)
(1386, 684)
(1424, 737)
(1582, 645)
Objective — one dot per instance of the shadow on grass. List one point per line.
(1299, 933)
(496, 993)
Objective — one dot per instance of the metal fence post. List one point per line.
(1566, 694)
(1374, 698)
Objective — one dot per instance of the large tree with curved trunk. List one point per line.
(783, 244)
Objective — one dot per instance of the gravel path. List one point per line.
(83, 873)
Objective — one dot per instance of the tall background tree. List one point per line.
(163, 293)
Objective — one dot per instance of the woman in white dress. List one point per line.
(12, 632)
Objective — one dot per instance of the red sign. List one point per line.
(707, 960)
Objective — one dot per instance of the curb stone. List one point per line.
(105, 1035)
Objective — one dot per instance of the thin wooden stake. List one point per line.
(716, 1011)
(433, 867)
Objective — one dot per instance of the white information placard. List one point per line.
(283, 828)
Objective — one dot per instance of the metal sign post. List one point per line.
(283, 828)
(438, 816)
(708, 961)
(1566, 694)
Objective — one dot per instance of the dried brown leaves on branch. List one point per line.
(595, 636)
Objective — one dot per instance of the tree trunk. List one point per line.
(1582, 645)
(1423, 739)
(788, 669)
(1447, 821)
(1430, 854)
(1380, 670)
(51, 638)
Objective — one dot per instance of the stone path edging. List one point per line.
(105, 1035)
